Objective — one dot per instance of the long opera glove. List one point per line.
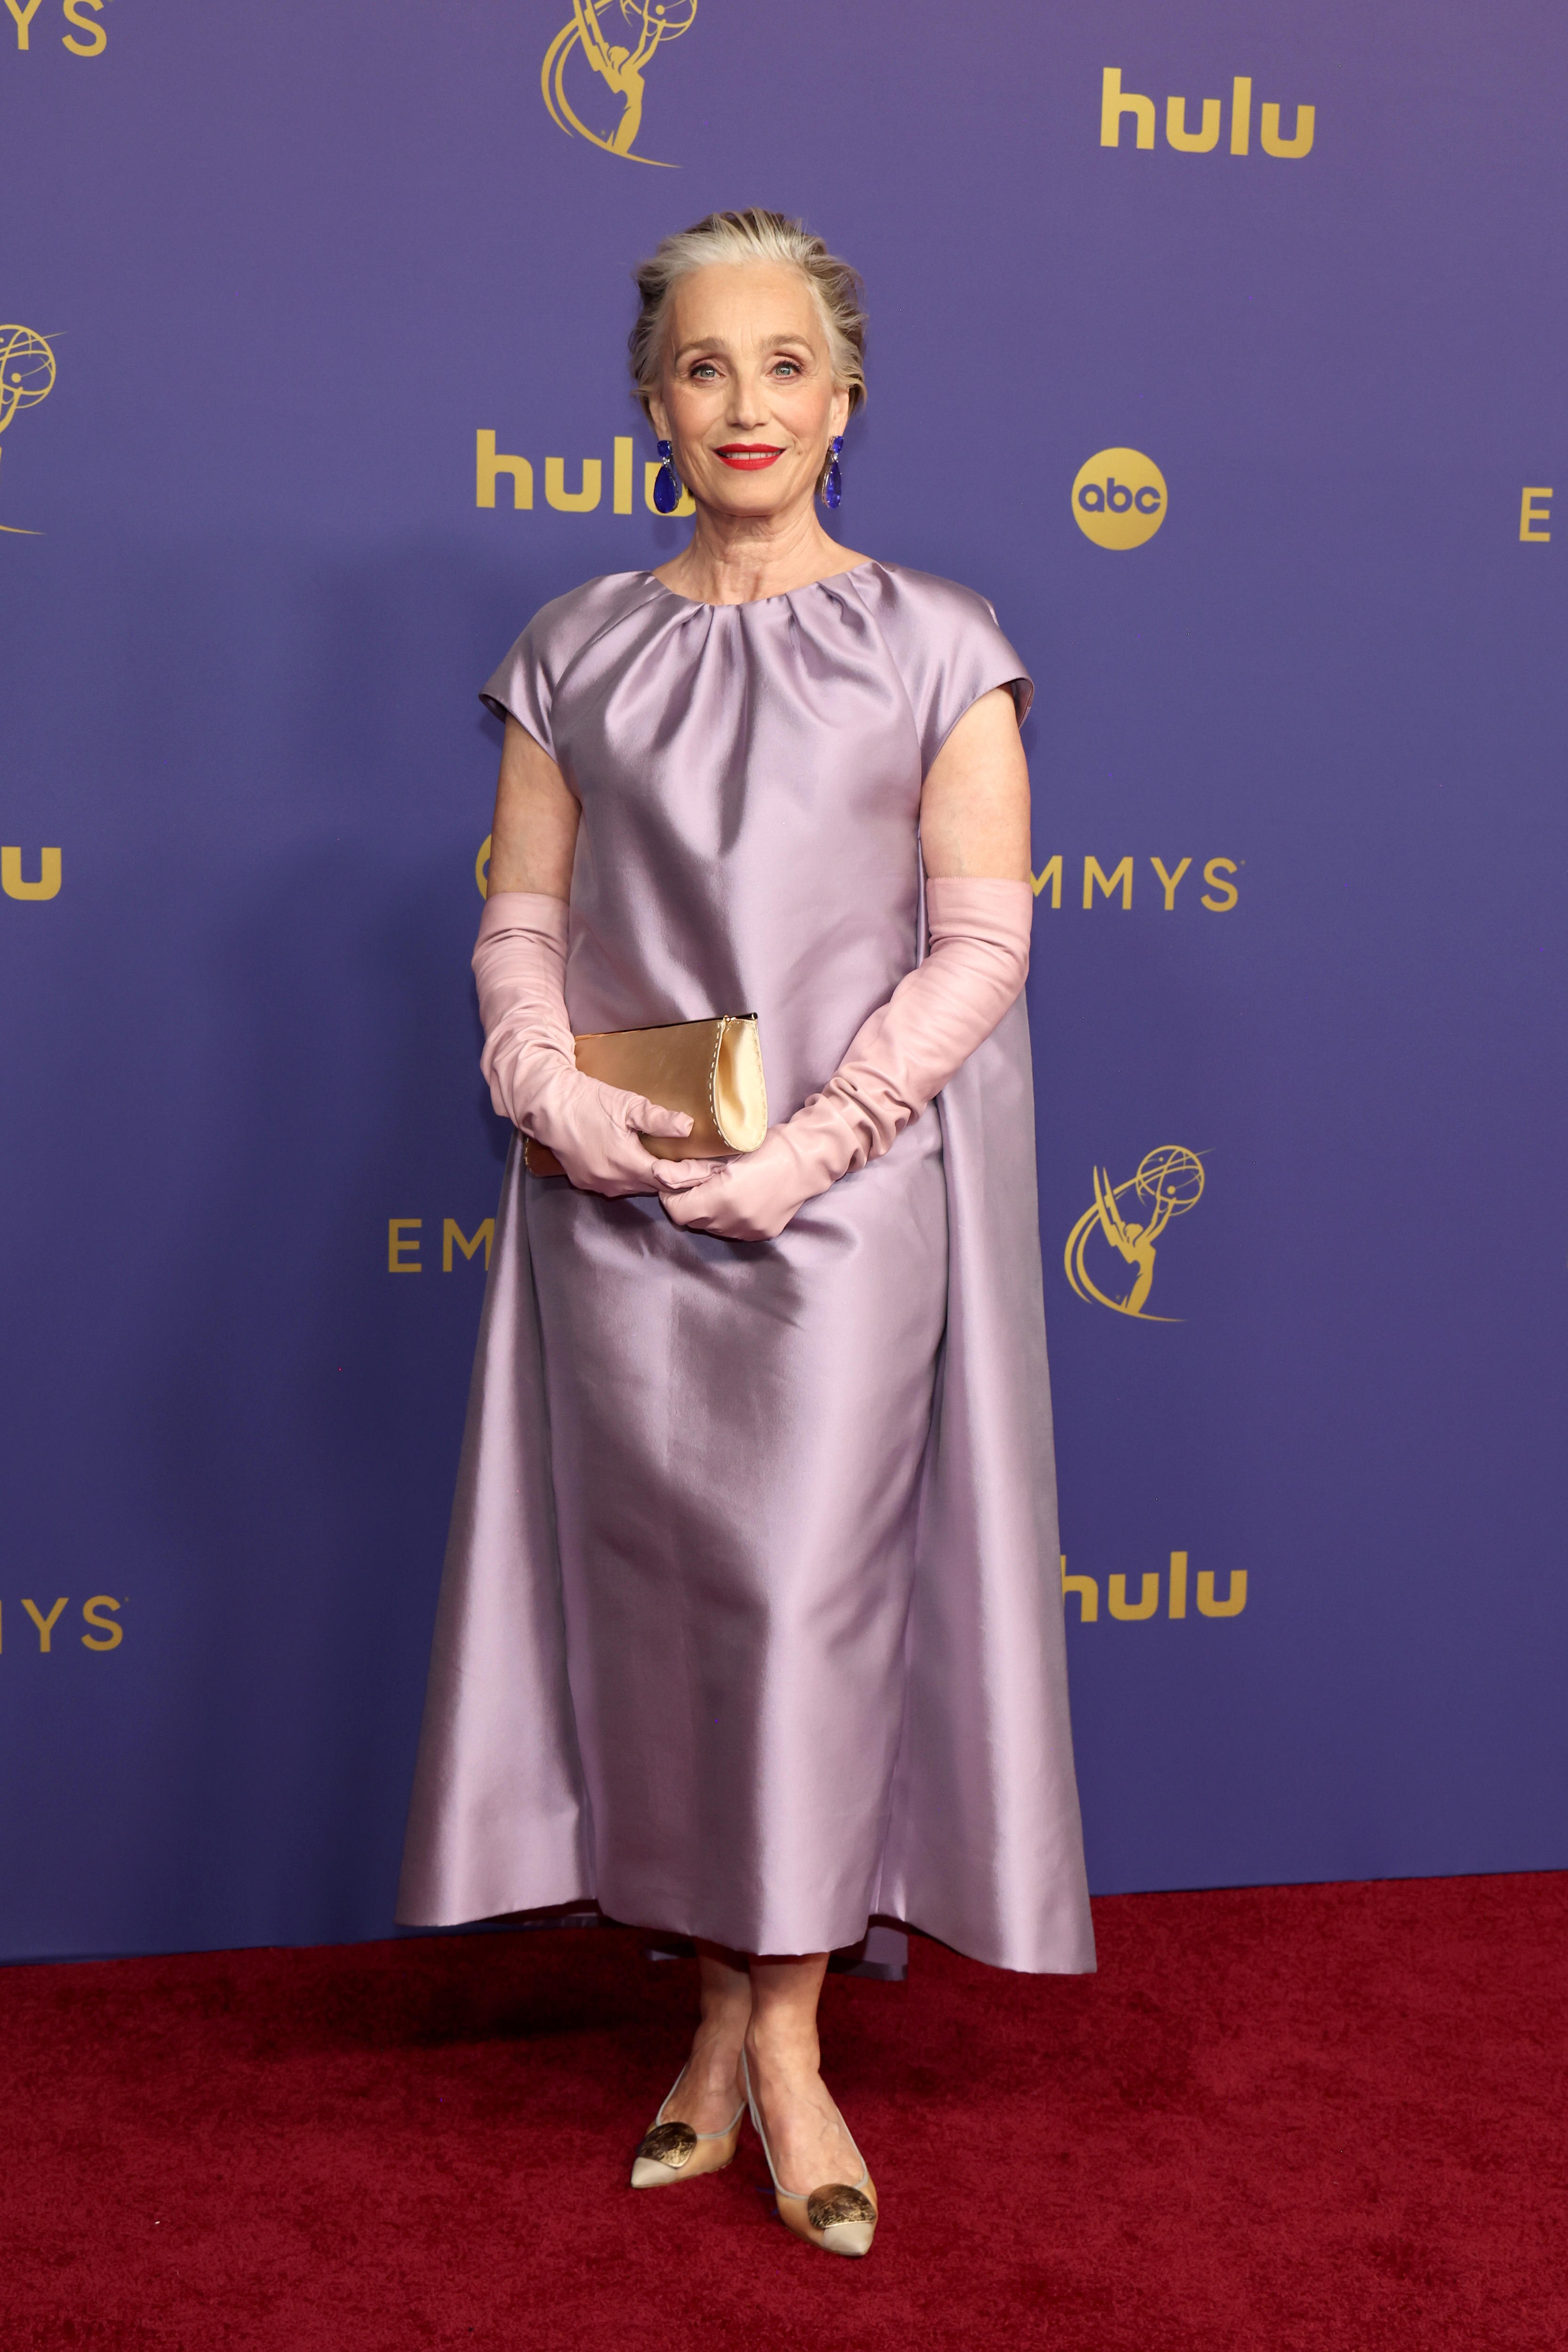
(900, 1060)
(520, 964)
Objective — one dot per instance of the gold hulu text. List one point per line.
(1116, 104)
(47, 884)
(492, 464)
(1086, 1590)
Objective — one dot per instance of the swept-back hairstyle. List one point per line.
(753, 236)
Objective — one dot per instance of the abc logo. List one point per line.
(1119, 497)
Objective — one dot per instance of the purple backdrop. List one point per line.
(286, 265)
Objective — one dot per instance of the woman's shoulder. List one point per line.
(924, 599)
(945, 642)
(560, 628)
(524, 685)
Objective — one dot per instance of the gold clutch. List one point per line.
(710, 1069)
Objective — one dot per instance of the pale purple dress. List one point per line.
(751, 1625)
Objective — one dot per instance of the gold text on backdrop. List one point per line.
(12, 881)
(1112, 884)
(103, 1633)
(492, 466)
(403, 1243)
(23, 13)
(1085, 1590)
(1115, 103)
(1535, 516)
(1119, 497)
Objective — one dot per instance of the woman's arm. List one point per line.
(974, 831)
(520, 964)
(534, 836)
(974, 809)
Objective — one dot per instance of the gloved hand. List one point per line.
(530, 1061)
(753, 1197)
(899, 1059)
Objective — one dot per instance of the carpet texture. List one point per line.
(1325, 2118)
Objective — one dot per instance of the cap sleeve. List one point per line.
(523, 687)
(949, 650)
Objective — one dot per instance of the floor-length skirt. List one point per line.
(751, 1625)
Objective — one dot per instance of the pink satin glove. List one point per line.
(898, 1062)
(530, 1061)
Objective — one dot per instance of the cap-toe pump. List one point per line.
(674, 2151)
(839, 2217)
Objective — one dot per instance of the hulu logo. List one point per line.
(492, 465)
(1116, 104)
(1085, 1590)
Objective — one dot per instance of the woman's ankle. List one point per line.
(716, 2049)
(782, 2046)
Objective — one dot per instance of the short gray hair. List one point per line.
(753, 236)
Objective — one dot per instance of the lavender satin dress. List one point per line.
(751, 1624)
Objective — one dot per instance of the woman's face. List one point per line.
(747, 394)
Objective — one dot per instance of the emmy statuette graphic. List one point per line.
(619, 64)
(1166, 1183)
(27, 376)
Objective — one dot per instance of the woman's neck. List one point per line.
(736, 559)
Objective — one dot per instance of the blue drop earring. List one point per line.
(833, 481)
(666, 483)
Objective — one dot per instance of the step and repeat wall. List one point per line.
(1222, 346)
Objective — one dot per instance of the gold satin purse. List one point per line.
(710, 1069)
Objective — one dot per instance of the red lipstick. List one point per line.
(748, 457)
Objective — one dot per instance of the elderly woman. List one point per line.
(750, 1626)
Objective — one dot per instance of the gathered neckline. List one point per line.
(780, 597)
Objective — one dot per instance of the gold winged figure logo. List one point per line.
(27, 376)
(1167, 1182)
(617, 40)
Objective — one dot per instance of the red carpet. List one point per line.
(1326, 2118)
